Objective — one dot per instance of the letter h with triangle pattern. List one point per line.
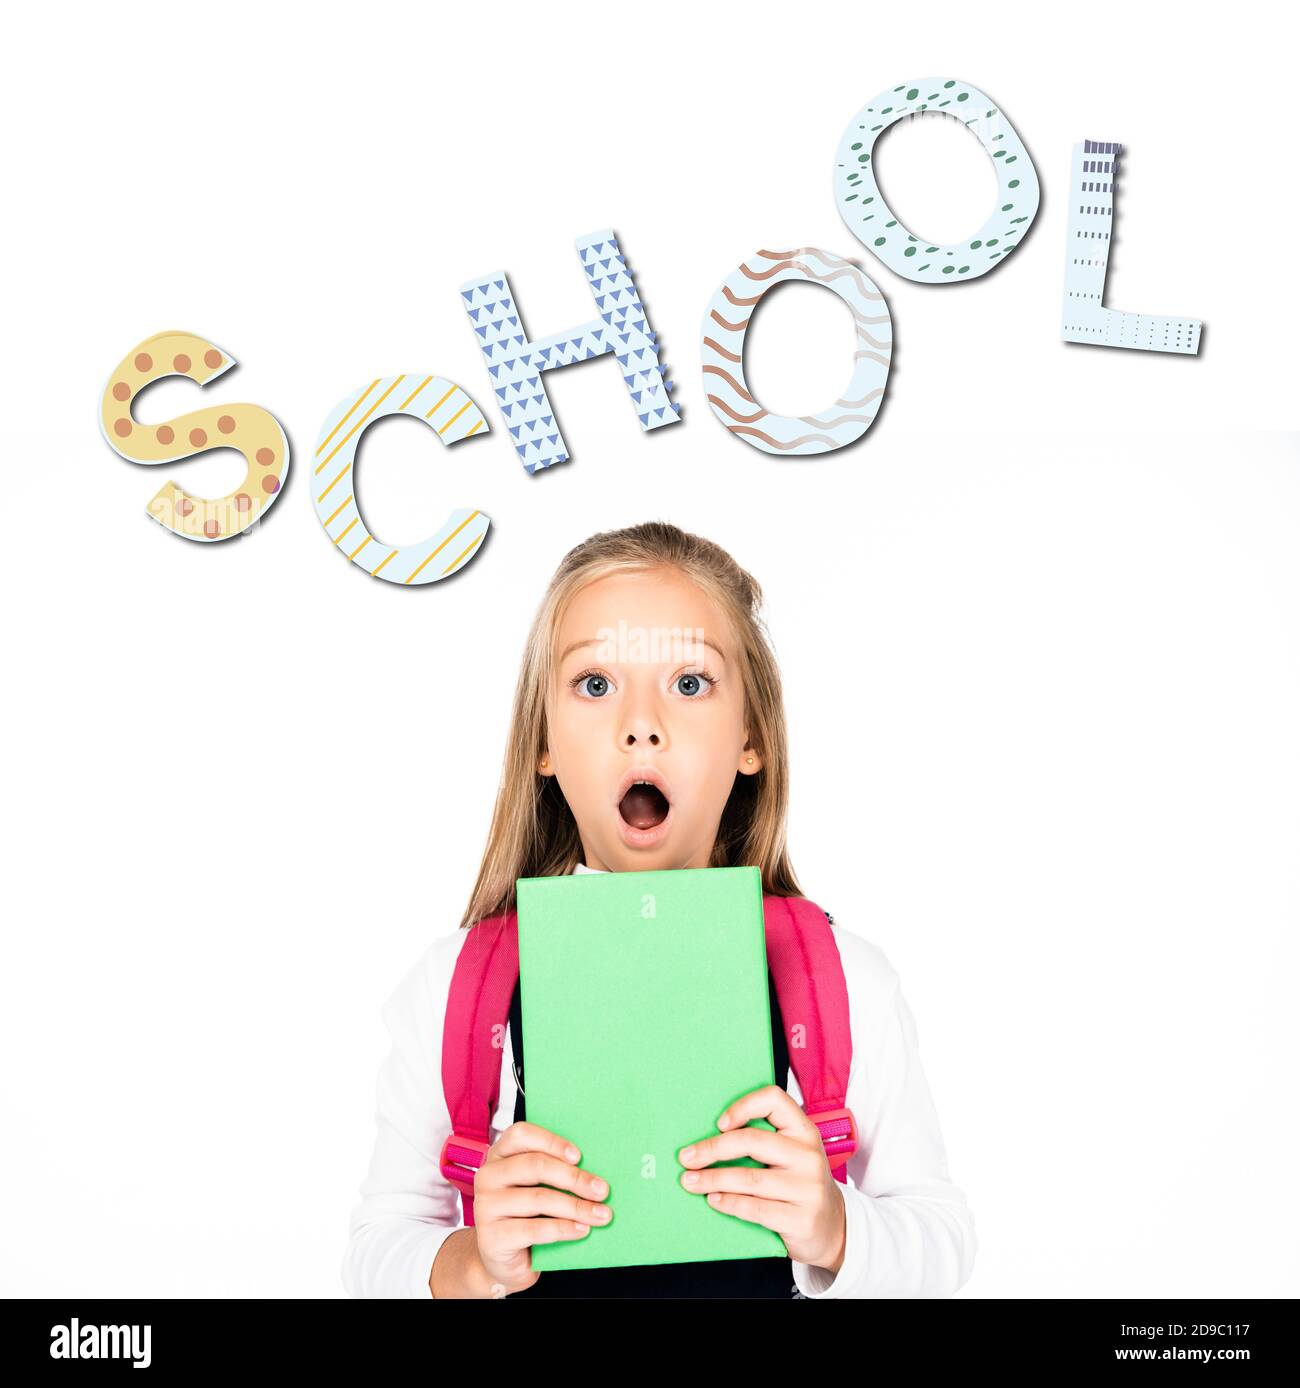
(516, 365)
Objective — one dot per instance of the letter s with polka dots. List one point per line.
(255, 432)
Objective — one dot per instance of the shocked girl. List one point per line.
(648, 732)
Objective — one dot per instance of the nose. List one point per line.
(641, 730)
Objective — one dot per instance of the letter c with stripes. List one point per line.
(517, 365)
(452, 416)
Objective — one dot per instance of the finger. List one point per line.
(772, 1149)
(763, 1181)
(532, 1137)
(773, 1103)
(778, 1215)
(532, 1168)
(516, 1234)
(523, 1202)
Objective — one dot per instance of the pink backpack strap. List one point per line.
(478, 1004)
(809, 976)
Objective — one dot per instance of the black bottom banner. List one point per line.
(999, 1336)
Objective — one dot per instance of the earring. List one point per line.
(750, 760)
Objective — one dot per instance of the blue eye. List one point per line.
(594, 685)
(693, 683)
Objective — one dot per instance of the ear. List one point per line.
(751, 761)
(544, 766)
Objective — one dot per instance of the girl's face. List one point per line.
(647, 688)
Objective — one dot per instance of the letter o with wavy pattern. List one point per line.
(727, 318)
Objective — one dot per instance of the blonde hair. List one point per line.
(533, 831)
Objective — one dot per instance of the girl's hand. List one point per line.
(794, 1193)
(515, 1205)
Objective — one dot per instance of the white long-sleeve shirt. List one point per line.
(908, 1229)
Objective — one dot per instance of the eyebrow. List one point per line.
(597, 641)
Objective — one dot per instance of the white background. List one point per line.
(1038, 630)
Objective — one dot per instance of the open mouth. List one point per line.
(644, 806)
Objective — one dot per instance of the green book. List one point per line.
(644, 998)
